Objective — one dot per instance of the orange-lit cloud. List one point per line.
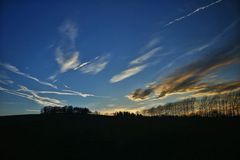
(189, 77)
(218, 89)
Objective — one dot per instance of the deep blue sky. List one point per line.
(96, 53)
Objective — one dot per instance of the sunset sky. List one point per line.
(116, 55)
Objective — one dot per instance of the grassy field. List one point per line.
(98, 137)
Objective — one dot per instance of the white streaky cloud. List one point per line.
(95, 66)
(52, 77)
(66, 86)
(70, 30)
(79, 93)
(6, 82)
(70, 63)
(146, 56)
(81, 65)
(66, 62)
(127, 73)
(10, 67)
(55, 92)
(24, 92)
(67, 93)
(17, 71)
(39, 99)
(191, 13)
(197, 49)
(67, 56)
(152, 43)
(9, 81)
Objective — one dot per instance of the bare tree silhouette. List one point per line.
(227, 104)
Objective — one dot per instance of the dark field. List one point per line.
(102, 137)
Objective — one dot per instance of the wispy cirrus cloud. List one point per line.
(151, 51)
(79, 93)
(15, 70)
(68, 62)
(189, 77)
(193, 12)
(24, 92)
(66, 86)
(3, 82)
(66, 54)
(95, 66)
(216, 89)
(40, 99)
(152, 43)
(145, 56)
(66, 92)
(36, 96)
(127, 73)
(6, 81)
(68, 57)
(69, 30)
(81, 65)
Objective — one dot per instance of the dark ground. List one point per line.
(102, 137)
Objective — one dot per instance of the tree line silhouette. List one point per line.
(127, 114)
(82, 111)
(227, 104)
(65, 110)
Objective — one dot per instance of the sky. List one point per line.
(112, 56)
